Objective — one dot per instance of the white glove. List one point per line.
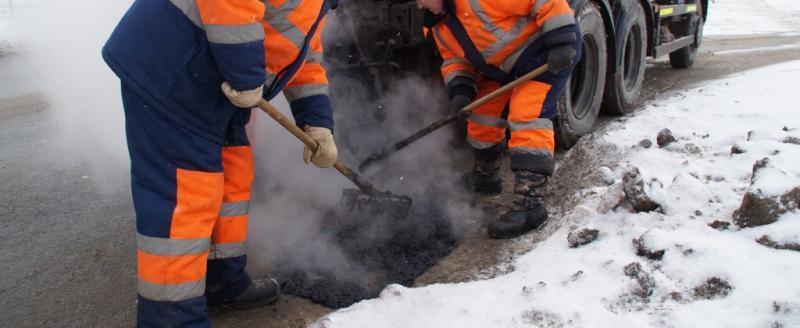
(326, 153)
(244, 99)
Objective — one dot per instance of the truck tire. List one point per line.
(684, 57)
(580, 102)
(624, 86)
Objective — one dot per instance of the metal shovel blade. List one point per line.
(377, 203)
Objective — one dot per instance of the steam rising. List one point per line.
(290, 199)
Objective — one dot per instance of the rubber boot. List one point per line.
(527, 211)
(485, 176)
(258, 294)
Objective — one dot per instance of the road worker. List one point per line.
(191, 70)
(488, 43)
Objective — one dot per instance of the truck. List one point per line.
(384, 41)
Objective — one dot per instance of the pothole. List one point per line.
(382, 251)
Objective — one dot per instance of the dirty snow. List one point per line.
(748, 17)
(697, 181)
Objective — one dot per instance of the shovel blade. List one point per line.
(378, 203)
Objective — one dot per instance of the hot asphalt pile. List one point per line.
(384, 250)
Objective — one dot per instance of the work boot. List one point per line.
(259, 293)
(527, 211)
(485, 177)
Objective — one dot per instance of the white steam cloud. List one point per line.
(63, 39)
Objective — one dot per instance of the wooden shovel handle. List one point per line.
(311, 143)
(501, 90)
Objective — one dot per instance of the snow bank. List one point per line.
(706, 277)
(747, 17)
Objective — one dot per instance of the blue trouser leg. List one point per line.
(178, 184)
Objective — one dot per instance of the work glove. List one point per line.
(560, 57)
(457, 103)
(245, 98)
(326, 153)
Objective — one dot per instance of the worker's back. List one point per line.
(161, 49)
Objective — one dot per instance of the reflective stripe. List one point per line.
(509, 62)
(437, 34)
(502, 38)
(314, 57)
(454, 74)
(454, 60)
(537, 124)
(558, 21)
(172, 247)
(488, 120)
(283, 10)
(532, 151)
(226, 251)
(477, 144)
(278, 18)
(302, 91)
(171, 293)
(235, 209)
(233, 34)
(189, 8)
(538, 5)
(269, 78)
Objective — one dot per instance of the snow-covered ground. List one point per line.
(748, 17)
(706, 277)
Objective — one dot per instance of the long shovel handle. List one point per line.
(312, 144)
(505, 88)
(387, 151)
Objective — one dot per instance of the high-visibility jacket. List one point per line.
(177, 53)
(500, 31)
(488, 43)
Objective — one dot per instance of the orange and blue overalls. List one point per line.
(487, 43)
(191, 160)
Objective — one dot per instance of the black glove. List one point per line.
(461, 91)
(560, 57)
(457, 103)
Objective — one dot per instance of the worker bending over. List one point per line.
(486, 44)
(191, 70)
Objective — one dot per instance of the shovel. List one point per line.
(366, 198)
(387, 151)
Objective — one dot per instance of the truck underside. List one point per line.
(381, 41)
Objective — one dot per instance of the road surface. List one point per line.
(68, 256)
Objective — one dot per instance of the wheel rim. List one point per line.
(632, 61)
(584, 77)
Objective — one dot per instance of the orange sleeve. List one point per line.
(554, 14)
(312, 78)
(453, 64)
(230, 12)
(541, 10)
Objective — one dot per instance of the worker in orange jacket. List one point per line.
(488, 43)
(191, 70)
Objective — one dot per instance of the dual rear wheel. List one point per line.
(591, 88)
(614, 87)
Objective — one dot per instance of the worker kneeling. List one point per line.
(191, 70)
(486, 44)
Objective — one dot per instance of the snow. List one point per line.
(555, 286)
(748, 17)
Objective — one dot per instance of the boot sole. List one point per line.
(233, 307)
(511, 235)
(489, 192)
(514, 234)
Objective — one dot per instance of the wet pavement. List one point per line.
(68, 242)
